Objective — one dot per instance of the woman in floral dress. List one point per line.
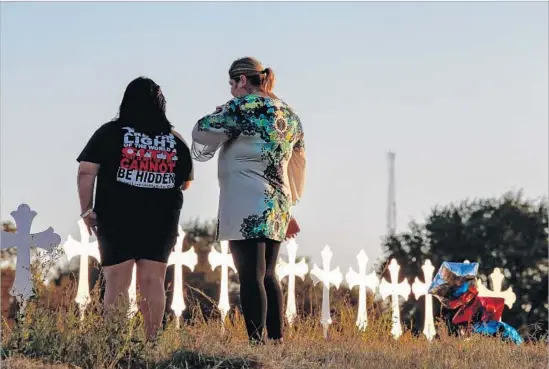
(261, 172)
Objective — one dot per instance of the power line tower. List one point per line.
(391, 200)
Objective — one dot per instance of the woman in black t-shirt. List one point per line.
(141, 166)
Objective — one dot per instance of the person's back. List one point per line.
(141, 173)
(261, 171)
(258, 158)
(141, 166)
(262, 134)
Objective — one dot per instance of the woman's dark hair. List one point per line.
(144, 106)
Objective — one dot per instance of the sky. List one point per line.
(458, 90)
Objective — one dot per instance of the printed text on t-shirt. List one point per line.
(147, 162)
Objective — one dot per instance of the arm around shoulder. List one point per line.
(213, 130)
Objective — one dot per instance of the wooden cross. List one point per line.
(395, 289)
(179, 258)
(224, 260)
(363, 281)
(84, 248)
(327, 277)
(420, 289)
(291, 270)
(23, 240)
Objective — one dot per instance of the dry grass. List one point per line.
(58, 339)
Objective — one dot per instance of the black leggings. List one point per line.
(260, 293)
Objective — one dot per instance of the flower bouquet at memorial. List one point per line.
(455, 285)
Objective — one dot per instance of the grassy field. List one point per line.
(58, 339)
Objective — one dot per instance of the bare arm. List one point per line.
(87, 172)
(186, 185)
(190, 177)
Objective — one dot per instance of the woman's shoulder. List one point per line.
(109, 125)
(290, 110)
(255, 103)
(178, 137)
(286, 105)
(107, 128)
(252, 102)
(234, 101)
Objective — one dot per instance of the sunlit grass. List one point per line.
(43, 336)
(58, 338)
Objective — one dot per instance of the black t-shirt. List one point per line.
(140, 177)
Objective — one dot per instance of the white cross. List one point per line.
(23, 240)
(362, 280)
(84, 248)
(420, 289)
(179, 258)
(291, 270)
(497, 281)
(395, 289)
(327, 277)
(224, 260)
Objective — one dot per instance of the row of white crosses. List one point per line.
(363, 280)
(329, 277)
(48, 240)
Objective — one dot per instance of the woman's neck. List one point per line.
(259, 93)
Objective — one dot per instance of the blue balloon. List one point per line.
(493, 327)
(453, 279)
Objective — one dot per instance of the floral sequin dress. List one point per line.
(261, 165)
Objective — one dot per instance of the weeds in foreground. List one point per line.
(61, 339)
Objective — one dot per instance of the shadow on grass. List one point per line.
(180, 359)
(195, 360)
